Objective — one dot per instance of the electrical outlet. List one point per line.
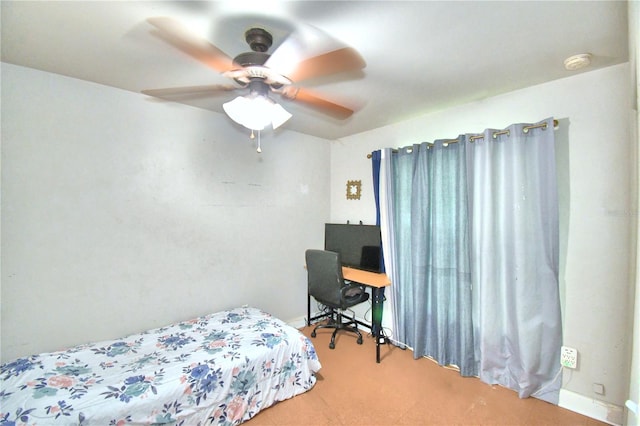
(568, 357)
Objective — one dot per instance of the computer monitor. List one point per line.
(360, 246)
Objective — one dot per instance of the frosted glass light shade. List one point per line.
(256, 112)
(279, 115)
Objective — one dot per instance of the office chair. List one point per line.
(326, 284)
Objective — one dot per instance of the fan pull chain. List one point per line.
(253, 136)
(259, 150)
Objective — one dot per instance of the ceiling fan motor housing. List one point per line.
(251, 58)
(258, 39)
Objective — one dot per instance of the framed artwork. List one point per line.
(354, 189)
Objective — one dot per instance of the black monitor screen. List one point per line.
(360, 246)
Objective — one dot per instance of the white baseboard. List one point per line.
(298, 322)
(599, 410)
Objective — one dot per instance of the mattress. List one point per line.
(221, 368)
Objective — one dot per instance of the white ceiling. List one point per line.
(421, 56)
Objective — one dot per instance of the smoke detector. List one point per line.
(577, 62)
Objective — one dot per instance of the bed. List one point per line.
(221, 368)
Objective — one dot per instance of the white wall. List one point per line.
(120, 213)
(633, 418)
(594, 168)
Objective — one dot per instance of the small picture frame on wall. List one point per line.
(354, 189)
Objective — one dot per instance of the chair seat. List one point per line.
(356, 297)
(348, 301)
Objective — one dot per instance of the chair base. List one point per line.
(338, 325)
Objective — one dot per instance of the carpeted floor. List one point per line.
(353, 390)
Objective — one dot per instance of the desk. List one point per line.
(377, 282)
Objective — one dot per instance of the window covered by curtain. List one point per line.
(514, 212)
(432, 235)
(471, 229)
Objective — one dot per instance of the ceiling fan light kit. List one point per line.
(256, 110)
(256, 113)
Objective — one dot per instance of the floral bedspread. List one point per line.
(222, 368)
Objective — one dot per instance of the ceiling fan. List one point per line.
(257, 73)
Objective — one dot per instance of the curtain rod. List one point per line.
(474, 138)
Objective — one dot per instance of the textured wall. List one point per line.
(120, 213)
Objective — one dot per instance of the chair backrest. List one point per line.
(324, 270)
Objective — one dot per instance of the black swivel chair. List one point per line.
(326, 284)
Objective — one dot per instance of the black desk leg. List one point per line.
(377, 294)
(308, 309)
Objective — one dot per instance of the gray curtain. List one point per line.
(514, 210)
(432, 248)
(471, 236)
(399, 200)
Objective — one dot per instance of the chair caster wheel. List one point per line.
(332, 345)
(359, 341)
(313, 333)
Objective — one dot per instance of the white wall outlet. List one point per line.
(568, 357)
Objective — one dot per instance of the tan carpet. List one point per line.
(353, 390)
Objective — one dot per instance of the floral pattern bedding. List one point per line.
(222, 368)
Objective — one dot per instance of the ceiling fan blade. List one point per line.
(317, 102)
(333, 62)
(189, 91)
(176, 34)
